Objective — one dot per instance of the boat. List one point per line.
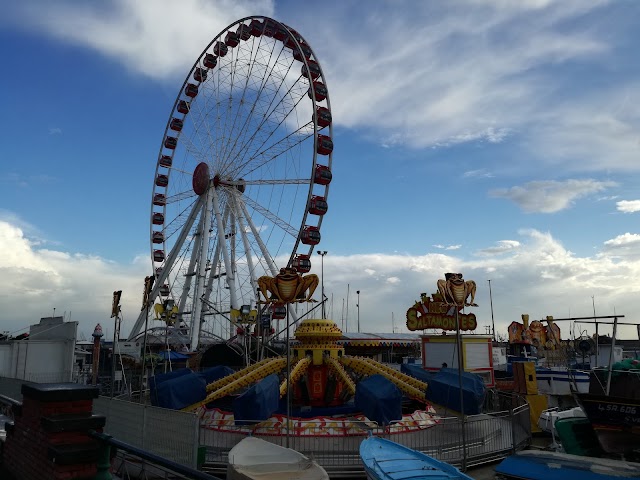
(544, 465)
(549, 417)
(613, 408)
(256, 459)
(616, 421)
(387, 460)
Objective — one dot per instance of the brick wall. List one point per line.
(49, 437)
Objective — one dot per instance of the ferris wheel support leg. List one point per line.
(213, 271)
(229, 269)
(202, 270)
(256, 235)
(167, 266)
(191, 271)
(247, 248)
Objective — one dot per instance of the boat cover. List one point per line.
(180, 392)
(379, 399)
(443, 388)
(259, 402)
(156, 380)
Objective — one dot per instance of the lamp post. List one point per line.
(358, 306)
(322, 253)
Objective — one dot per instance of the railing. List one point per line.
(489, 437)
(131, 463)
(171, 434)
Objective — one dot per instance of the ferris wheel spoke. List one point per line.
(273, 269)
(264, 113)
(274, 151)
(272, 217)
(263, 136)
(243, 99)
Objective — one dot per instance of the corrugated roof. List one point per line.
(403, 337)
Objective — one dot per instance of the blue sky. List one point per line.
(495, 138)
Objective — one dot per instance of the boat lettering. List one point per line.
(608, 408)
(628, 409)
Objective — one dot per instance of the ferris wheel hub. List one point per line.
(200, 180)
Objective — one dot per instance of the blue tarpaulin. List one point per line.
(163, 377)
(417, 371)
(180, 392)
(172, 356)
(212, 374)
(443, 388)
(259, 402)
(379, 399)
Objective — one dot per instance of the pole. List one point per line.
(593, 302)
(613, 346)
(358, 305)
(288, 381)
(116, 337)
(144, 350)
(493, 325)
(322, 253)
(460, 370)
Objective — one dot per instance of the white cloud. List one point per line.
(55, 131)
(626, 246)
(157, 39)
(502, 246)
(34, 280)
(550, 196)
(480, 173)
(447, 247)
(628, 206)
(534, 275)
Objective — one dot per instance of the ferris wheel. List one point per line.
(242, 175)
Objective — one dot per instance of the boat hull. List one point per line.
(616, 421)
(387, 460)
(256, 459)
(541, 465)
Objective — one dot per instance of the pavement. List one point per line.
(483, 472)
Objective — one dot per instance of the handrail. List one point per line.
(143, 454)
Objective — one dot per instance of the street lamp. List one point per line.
(322, 253)
(358, 305)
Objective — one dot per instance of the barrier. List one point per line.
(171, 434)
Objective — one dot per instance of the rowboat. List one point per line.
(256, 459)
(542, 465)
(387, 460)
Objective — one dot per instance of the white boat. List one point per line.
(561, 381)
(548, 417)
(256, 459)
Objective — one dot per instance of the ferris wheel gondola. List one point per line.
(243, 172)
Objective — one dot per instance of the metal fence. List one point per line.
(170, 434)
(487, 437)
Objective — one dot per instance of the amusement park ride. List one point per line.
(241, 184)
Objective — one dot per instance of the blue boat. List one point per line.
(543, 465)
(387, 460)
